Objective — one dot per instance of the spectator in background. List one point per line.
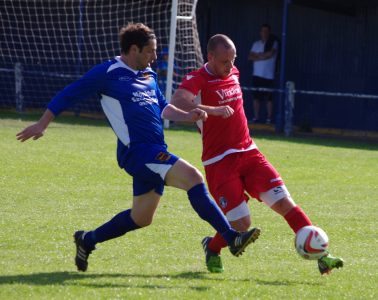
(264, 55)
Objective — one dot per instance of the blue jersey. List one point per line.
(131, 100)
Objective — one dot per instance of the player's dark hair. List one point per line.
(219, 39)
(135, 34)
(266, 25)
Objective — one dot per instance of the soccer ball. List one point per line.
(311, 242)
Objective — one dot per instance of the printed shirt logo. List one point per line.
(277, 190)
(228, 95)
(144, 97)
(163, 156)
(188, 77)
(223, 202)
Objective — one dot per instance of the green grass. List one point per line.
(70, 180)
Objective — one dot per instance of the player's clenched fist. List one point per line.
(222, 111)
(197, 114)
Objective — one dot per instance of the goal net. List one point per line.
(47, 44)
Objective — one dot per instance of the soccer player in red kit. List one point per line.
(233, 164)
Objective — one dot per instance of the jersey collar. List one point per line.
(207, 70)
(120, 61)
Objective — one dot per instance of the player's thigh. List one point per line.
(144, 207)
(229, 196)
(263, 182)
(183, 175)
(226, 187)
(148, 165)
(258, 174)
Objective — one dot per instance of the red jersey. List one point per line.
(220, 136)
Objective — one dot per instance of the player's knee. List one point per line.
(242, 224)
(194, 176)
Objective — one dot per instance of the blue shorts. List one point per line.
(148, 164)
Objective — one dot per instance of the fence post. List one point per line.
(19, 97)
(289, 108)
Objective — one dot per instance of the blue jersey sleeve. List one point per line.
(88, 85)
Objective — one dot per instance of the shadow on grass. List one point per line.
(74, 278)
(285, 282)
(81, 279)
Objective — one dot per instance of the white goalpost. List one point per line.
(172, 43)
(46, 44)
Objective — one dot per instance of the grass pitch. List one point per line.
(70, 180)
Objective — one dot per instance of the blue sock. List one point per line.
(116, 227)
(208, 210)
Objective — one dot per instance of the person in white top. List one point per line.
(264, 54)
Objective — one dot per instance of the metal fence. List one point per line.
(288, 95)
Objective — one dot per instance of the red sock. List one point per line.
(297, 218)
(217, 243)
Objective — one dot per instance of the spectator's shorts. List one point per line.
(263, 83)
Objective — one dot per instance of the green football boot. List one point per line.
(329, 262)
(213, 260)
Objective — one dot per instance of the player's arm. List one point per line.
(86, 86)
(36, 130)
(184, 100)
(172, 113)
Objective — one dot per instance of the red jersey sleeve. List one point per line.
(192, 82)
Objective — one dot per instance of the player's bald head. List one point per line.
(221, 54)
(220, 41)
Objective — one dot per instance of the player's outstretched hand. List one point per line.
(222, 111)
(197, 114)
(34, 131)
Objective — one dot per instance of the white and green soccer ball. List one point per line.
(311, 242)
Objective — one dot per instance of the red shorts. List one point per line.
(237, 173)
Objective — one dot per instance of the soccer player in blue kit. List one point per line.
(134, 107)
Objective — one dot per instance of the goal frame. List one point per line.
(172, 45)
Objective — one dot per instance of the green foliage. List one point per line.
(70, 180)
